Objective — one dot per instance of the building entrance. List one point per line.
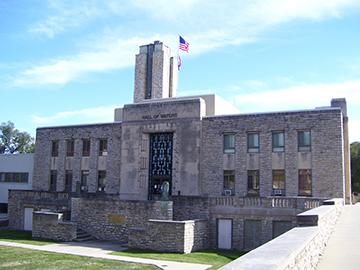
(160, 169)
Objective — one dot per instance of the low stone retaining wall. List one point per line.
(170, 236)
(298, 248)
(38, 200)
(49, 225)
(109, 218)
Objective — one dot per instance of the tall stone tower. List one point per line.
(155, 73)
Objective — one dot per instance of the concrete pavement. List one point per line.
(101, 250)
(343, 248)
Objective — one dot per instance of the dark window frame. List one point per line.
(68, 181)
(302, 145)
(253, 148)
(14, 177)
(228, 177)
(275, 147)
(101, 183)
(70, 147)
(53, 180)
(227, 147)
(86, 147)
(103, 147)
(55, 148)
(305, 189)
(251, 190)
(282, 189)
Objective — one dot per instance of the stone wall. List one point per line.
(109, 218)
(19, 199)
(299, 248)
(50, 225)
(111, 163)
(170, 236)
(325, 158)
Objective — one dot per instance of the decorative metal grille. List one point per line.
(161, 148)
(161, 154)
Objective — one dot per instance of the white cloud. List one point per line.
(88, 115)
(300, 96)
(115, 54)
(205, 24)
(306, 96)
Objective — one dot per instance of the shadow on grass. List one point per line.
(216, 258)
(24, 237)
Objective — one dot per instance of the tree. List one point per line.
(355, 166)
(12, 141)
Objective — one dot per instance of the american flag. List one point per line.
(183, 44)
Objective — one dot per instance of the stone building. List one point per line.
(179, 174)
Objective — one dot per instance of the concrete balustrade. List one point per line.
(299, 248)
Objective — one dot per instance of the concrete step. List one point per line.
(82, 236)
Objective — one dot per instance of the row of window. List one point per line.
(278, 141)
(70, 146)
(83, 181)
(14, 177)
(278, 182)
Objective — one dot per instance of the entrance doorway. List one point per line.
(224, 234)
(28, 219)
(160, 169)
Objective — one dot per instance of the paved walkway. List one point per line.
(343, 250)
(99, 249)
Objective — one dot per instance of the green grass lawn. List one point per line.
(216, 258)
(19, 258)
(22, 237)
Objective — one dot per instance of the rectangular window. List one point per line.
(101, 181)
(304, 140)
(229, 182)
(253, 183)
(253, 143)
(278, 182)
(305, 185)
(84, 179)
(69, 148)
(68, 181)
(103, 147)
(86, 148)
(54, 148)
(14, 177)
(278, 141)
(229, 143)
(53, 180)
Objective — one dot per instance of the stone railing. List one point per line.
(50, 225)
(299, 248)
(302, 203)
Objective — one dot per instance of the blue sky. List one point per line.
(70, 62)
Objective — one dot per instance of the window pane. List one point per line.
(70, 148)
(86, 148)
(278, 141)
(229, 143)
(53, 179)
(54, 148)
(305, 183)
(304, 140)
(229, 182)
(101, 180)
(253, 182)
(103, 147)
(278, 182)
(253, 142)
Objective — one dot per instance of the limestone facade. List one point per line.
(245, 168)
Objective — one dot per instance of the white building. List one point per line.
(16, 172)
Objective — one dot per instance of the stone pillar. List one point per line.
(155, 73)
(341, 103)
